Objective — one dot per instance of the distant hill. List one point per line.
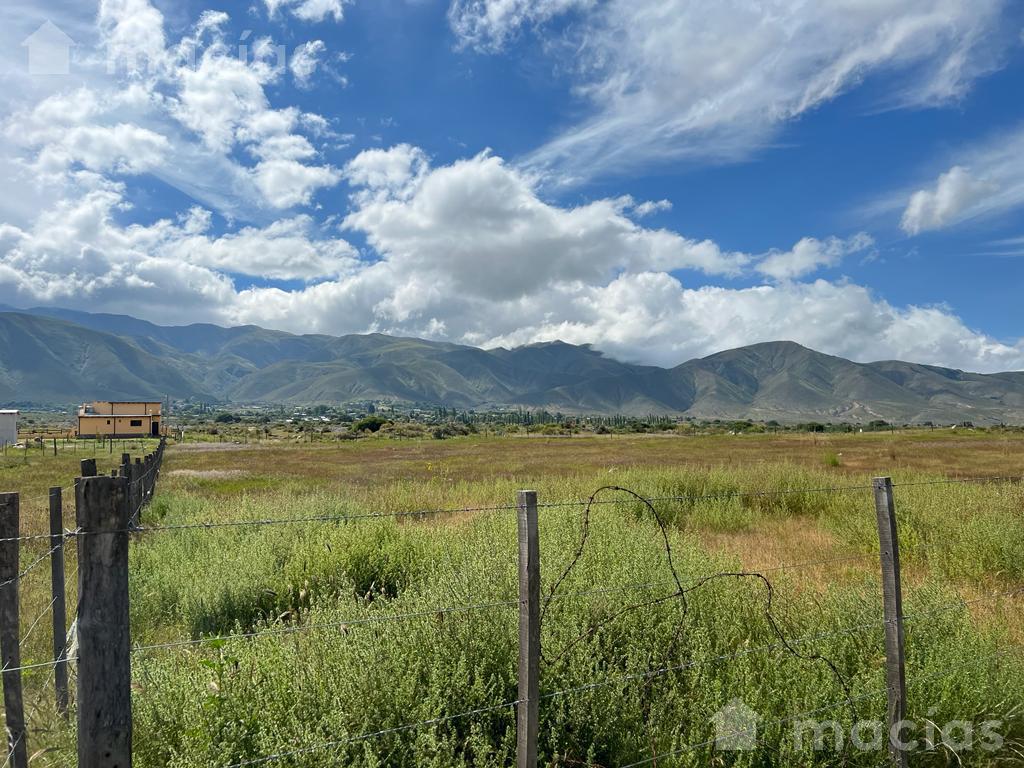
(55, 356)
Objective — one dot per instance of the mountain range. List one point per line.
(57, 356)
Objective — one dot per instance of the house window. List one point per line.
(108, 421)
(136, 422)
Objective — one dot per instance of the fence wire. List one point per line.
(783, 643)
(277, 756)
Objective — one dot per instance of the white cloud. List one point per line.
(180, 112)
(285, 250)
(489, 24)
(954, 192)
(305, 60)
(649, 207)
(121, 148)
(653, 312)
(469, 251)
(77, 252)
(286, 183)
(480, 225)
(698, 81)
(387, 172)
(810, 255)
(986, 180)
(223, 97)
(308, 10)
(132, 33)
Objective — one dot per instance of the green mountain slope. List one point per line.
(46, 361)
(62, 356)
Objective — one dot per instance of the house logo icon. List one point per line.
(49, 50)
(735, 726)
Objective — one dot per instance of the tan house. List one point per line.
(119, 420)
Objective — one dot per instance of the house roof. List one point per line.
(119, 415)
(8, 412)
(125, 402)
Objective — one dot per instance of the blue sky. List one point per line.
(660, 178)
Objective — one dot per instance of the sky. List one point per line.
(662, 179)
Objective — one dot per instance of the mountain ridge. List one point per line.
(57, 356)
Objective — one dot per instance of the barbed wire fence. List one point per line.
(108, 517)
(137, 481)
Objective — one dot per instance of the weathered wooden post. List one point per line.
(528, 709)
(104, 640)
(88, 467)
(10, 633)
(57, 587)
(892, 600)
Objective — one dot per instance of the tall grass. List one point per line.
(231, 701)
(376, 637)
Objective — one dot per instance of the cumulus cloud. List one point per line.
(288, 249)
(654, 312)
(479, 224)
(286, 183)
(470, 253)
(954, 192)
(677, 79)
(987, 180)
(132, 34)
(76, 251)
(387, 173)
(810, 254)
(182, 112)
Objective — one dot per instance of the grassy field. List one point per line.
(369, 630)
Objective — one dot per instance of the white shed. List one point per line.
(8, 428)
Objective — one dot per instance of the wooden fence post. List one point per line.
(528, 709)
(104, 640)
(60, 627)
(10, 632)
(892, 600)
(88, 467)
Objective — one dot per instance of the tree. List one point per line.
(369, 424)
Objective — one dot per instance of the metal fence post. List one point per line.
(528, 709)
(892, 600)
(104, 640)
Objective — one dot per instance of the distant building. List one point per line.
(119, 419)
(8, 428)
